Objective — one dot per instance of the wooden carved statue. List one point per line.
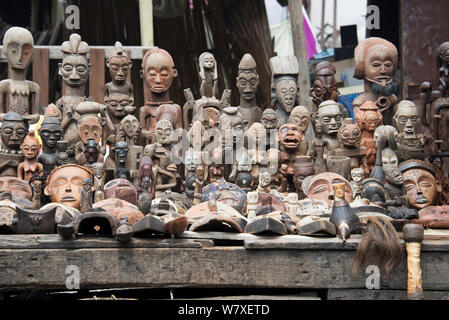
(331, 117)
(216, 168)
(376, 60)
(290, 137)
(443, 68)
(319, 187)
(90, 128)
(99, 175)
(270, 122)
(284, 86)
(208, 75)
(244, 178)
(356, 182)
(146, 177)
(300, 116)
(65, 184)
(368, 119)
(50, 132)
(394, 181)
(256, 137)
(324, 86)
(16, 93)
(121, 151)
(232, 129)
(62, 157)
(302, 168)
(30, 166)
(318, 149)
(130, 132)
(119, 64)
(118, 105)
(90, 155)
(410, 145)
(158, 70)
(86, 195)
(75, 70)
(13, 132)
(350, 137)
(247, 82)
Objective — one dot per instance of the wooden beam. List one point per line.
(97, 75)
(40, 73)
(299, 47)
(146, 22)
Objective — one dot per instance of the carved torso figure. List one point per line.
(146, 177)
(318, 148)
(270, 122)
(330, 116)
(30, 166)
(99, 175)
(51, 132)
(13, 132)
(284, 87)
(256, 136)
(247, 83)
(86, 195)
(121, 151)
(21, 95)
(376, 60)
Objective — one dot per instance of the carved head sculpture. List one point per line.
(247, 78)
(145, 167)
(330, 116)
(376, 60)
(119, 208)
(421, 183)
(386, 133)
(369, 117)
(13, 131)
(131, 126)
(90, 128)
(159, 70)
(302, 168)
(18, 47)
(324, 86)
(53, 111)
(269, 119)
(164, 132)
(389, 158)
(349, 134)
(192, 159)
(207, 61)
(443, 55)
(16, 186)
(320, 187)
(339, 187)
(231, 123)
(300, 116)
(257, 136)
(87, 184)
(284, 87)
(116, 104)
(122, 189)
(30, 146)
(119, 63)
(50, 132)
(196, 135)
(290, 136)
(318, 128)
(64, 184)
(264, 179)
(98, 169)
(91, 152)
(357, 174)
(390, 167)
(75, 66)
(406, 118)
(121, 151)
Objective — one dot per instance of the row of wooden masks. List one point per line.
(79, 120)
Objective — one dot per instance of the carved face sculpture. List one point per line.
(30, 147)
(75, 70)
(290, 136)
(300, 116)
(269, 119)
(324, 86)
(385, 131)
(91, 152)
(207, 60)
(119, 208)
(64, 185)
(164, 131)
(286, 90)
(247, 83)
(130, 125)
(16, 186)
(118, 68)
(264, 179)
(122, 189)
(339, 189)
(420, 184)
(50, 132)
(231, 124)
(121, 150)
(116, 104)
(389, 158)
(330, 117)
(257, 136)
(18, 47)
(406, 117)
(146, 167)
(349, 134)
(98, 169)
(320, 187)
(393, 175)
(159, 70)
(357, 174)
(13, 131)
(87, 184)
(90, 129)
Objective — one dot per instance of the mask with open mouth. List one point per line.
(290, 136)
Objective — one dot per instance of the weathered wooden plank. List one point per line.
(40, 73)
(97, 75)
(56, 54)
(232, 267)
(259, 297)
(360, 294)
(302, 242)
(54, 241)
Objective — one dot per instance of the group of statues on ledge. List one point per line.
(116, 169)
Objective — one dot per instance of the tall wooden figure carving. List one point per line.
(119, 65)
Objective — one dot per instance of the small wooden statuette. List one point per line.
(331, 117)
(22, 95)
(62, 156)
(121, 151)
(86, 195)
(119, 64)
(324, 86)
(413, 236)
(300, 116)
(99, 176)
(270, 122)
(356, 182)
(208, 75)
(30, 167)
(257, 139)
(342, 216)
(284, 86)
(50, 132)
(318, 148)
(146, 177)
